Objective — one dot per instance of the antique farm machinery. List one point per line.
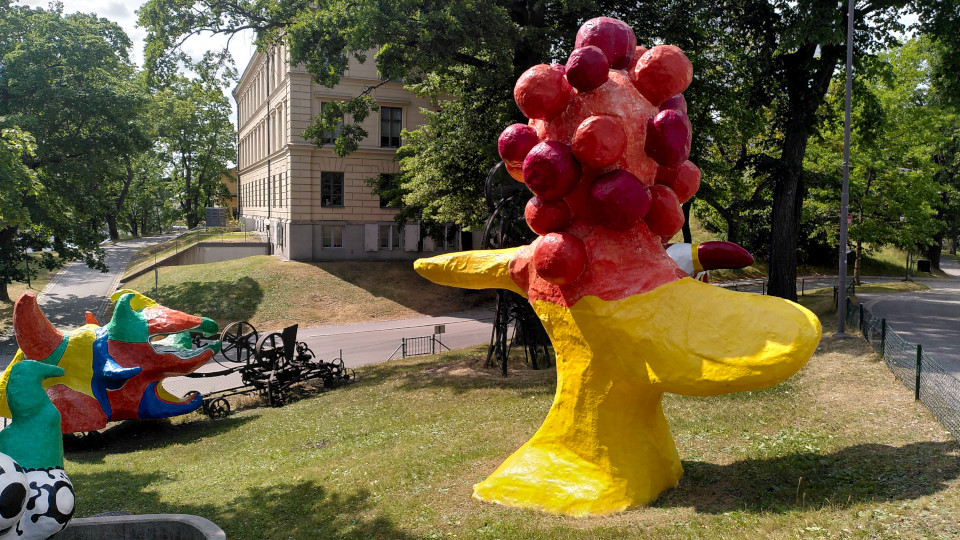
(268, 365)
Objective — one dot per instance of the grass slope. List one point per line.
(839, 450)
(272, 294)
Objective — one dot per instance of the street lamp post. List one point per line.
(845, 190)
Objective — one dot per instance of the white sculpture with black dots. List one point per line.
(36, 496)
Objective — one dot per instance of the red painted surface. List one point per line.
(683, 180)
(722, 255)
(78, 412)
(596, 157)
(514, 144)
(613, 36)
(599, 141)
(550, 170)
(542, 92)
(156, 367)
(163, 320)
(662, 72)
(546, 217)
(36, 337)
(587, 68)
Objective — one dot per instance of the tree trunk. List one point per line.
(112, 227)
(785, 216)
(856, 263)
(733, 227)
(7, 234)
(687, 237)
(132, 222)
(935, 249)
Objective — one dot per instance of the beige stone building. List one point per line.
(313, 204)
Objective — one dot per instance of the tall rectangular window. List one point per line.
(331, 189)
(329, 137)
(332, 236)
(389, 237)
(391, 121)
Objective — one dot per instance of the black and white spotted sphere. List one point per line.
(49, 507)
(13, 494)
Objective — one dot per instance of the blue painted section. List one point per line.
(152, 406)
(107, 373)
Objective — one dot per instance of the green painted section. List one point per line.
(33, 438)
(126, 324)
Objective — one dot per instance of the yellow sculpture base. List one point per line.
(605, 445)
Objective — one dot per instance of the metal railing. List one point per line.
(932, 385)
(419, 346)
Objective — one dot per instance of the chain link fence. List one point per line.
(932, 385)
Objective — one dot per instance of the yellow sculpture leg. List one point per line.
(605, 445)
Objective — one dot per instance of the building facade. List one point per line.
(313, 204)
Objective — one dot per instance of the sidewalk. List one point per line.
(76, 289)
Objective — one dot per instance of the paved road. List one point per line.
(76, 289)
(361, 344)
(930, 318)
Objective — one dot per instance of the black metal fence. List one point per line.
(932, 385)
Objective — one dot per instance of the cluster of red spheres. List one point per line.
(607, 145)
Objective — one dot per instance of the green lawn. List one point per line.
(272, 294)
(839, 451)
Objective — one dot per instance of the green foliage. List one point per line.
(67, 81)
(195, 139)
(893, 171)
(19, 181)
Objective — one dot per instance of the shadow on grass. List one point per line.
(857, 474)
(222, 301)
(135, 435)
(296, 510)
(381, 279)
(461, 371)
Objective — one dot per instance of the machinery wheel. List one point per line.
(269, 351)
(238, 340)
(218, 408)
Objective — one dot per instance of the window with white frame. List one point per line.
(332, 236)
(391, 122)
(389, 237)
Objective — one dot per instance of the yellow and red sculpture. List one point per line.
(112, 372)
(605, 154)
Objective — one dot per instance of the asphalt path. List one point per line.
(76, 289)
(930, 318)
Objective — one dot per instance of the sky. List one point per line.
(124, 13)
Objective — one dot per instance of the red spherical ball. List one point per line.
(545, 217)
(662, 72)
(620, 200)
(550, 170)
(587, 68)
(542, 92)
(669, 135)
(683, 180)
(677, 102)
(599, 141)
(514, 144)
(613, 36)
(560, 258)
(665, 216)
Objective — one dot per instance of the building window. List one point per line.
(331, 189)
(332, 236)
(388, 192)
(391, 119)
(329, 137)
(389, 237)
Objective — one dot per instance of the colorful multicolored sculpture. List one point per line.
(36, 496)
(112, 372)
(605, 154)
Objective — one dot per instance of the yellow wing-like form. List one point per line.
(482, 269)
